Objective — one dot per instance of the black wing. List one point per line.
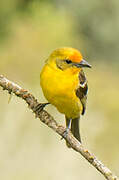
(81, 91)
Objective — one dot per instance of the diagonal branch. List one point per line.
(47, 119)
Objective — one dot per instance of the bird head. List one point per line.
(65, 58)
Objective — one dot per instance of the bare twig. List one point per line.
(50, 122)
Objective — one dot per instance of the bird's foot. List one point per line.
(39, 108)
(65, 133)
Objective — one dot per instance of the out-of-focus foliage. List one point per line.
(30, 30)
(95, 22)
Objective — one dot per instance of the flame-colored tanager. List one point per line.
(65, 86)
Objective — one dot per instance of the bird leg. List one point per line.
(67, 129)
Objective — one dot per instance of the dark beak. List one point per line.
(82, 64)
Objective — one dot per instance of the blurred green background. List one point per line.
(29, 31)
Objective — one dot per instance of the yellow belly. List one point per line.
(59, 89)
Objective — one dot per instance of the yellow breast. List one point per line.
(59, 89)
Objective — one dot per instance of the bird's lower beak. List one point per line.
(82, 64)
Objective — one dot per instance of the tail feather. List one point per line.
(74, 128)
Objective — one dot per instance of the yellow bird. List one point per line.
(65, 86)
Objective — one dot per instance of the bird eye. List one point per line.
(68, 61)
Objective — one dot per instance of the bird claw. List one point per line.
(39, 107)
(65, 133)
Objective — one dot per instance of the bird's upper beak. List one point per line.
(82, 64)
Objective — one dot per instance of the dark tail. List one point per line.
(74, 128)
